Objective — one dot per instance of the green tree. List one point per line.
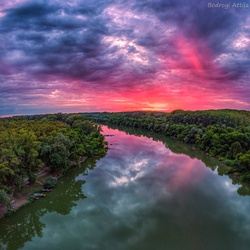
(27, 151)
(5, 199)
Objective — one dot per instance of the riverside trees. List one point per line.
(224, 134)
(28, 143)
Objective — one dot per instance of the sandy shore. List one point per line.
(23, 197)
(16, 204)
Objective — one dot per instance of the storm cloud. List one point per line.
(74, 55)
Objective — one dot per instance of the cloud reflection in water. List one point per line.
(143, 196)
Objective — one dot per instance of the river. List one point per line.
(140, 196)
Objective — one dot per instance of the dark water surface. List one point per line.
(140, 196)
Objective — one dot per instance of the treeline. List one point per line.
(224, 134)
(29, 143)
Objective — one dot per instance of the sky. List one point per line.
(116, 55)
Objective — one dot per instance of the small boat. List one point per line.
(34, 197)
(39, 195)
(46, 190)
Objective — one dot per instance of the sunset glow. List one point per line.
(83, 56)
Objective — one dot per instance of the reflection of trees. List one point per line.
(21, 227)
(175, 146)
(182, 148)
(14, 233)
(244, 190)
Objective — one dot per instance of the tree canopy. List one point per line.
(224, 134)
(58, 141)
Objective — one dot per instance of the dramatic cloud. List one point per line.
(97, 55)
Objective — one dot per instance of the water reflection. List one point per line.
(21, 227)
(144, 196)
(182, 148)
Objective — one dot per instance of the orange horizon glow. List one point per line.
(122, 57)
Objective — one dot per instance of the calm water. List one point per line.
(140, 196)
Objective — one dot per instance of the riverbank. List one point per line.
(21, 198)
(224, 134)
(16, 204)
(28, 143)
(140, 184)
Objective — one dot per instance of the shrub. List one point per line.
(245, 178)
(5, 199)
(32, 178)
(50, 182)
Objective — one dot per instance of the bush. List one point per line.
(9, 213)
(245, 178)
(50, 182)
(32, 178)
(5, 199)
(27, 203)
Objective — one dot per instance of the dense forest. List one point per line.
(61, 141)
(29, 143)
(224, 134)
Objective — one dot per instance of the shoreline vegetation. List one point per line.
(36, 150)
(223, 134)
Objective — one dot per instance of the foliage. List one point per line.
(50, 182)
(246, 178)
(58, 141)
(224, 134)
(5, 199)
